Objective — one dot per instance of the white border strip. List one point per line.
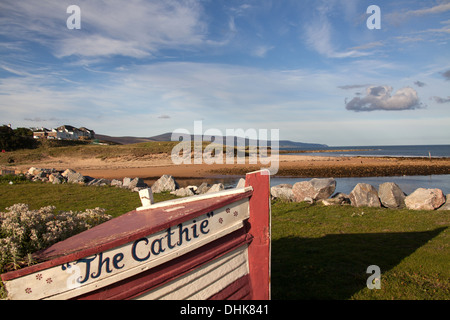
(196, 198)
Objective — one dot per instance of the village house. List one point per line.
(65, 132)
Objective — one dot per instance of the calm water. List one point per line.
(385, 151)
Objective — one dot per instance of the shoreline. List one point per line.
(299, 166)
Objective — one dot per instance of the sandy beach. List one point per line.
(153, 166)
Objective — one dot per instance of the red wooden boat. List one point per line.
(213, 246)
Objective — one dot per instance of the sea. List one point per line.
(407, 183)
(345, 185)
(425, 151)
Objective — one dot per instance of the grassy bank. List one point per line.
(317, 252)
(84, 151)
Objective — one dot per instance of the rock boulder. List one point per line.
(446, 205)
(67, 172)
(165, 183)
(183, 192)
(203, 188)
(137, 183)
(391, 196)
(216, 188)
(425, 199)
(241, 183)
(337, 199)
(282, 191)
(364, 195)
(75, 177)
(315, 189)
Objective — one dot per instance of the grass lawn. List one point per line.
(317, 252)
(74, 197)
(323, 252)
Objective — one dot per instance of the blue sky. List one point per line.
(311, 69)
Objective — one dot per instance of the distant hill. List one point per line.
(168, 136)
(122, 140)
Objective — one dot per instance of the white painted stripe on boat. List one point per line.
(196, 198)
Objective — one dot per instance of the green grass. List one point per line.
(74, 197)
(317, 252)
(323, 252)
(84, 151)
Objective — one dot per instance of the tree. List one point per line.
(21, 138)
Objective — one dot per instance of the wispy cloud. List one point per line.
(176, 92)
(137, 29)
(396, 18)
(39, 119)
(446, 74)
(420, 84)
(261, 51)
(444, 7)
(441, 100)
(353, 86)
(319, 35)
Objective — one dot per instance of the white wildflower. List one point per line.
(23, 231)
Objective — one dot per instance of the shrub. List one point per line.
(7, 178)
(24, 231)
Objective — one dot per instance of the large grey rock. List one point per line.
(203, 188)
(183, 192)
(99, 182)
(282, 191)
(315, 189)
(337, 199)
(241, 183)
(67, 172)
(137, 183)
(364, 195)
(425, 199)
(116, 183)
(33, 171)
(165, 183)
(391, 196)
(216, 188)
(446, 205)
(56, 178)
(126, 182)
(75, 177)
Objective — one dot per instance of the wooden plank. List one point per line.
(237, 290)
(260, 229)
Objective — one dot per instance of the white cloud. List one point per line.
(135, 29)
(319, 35)
(436, 9)
(96, 45)
(261, 51)
(396, 18)
(223, 95)
(380, 98)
